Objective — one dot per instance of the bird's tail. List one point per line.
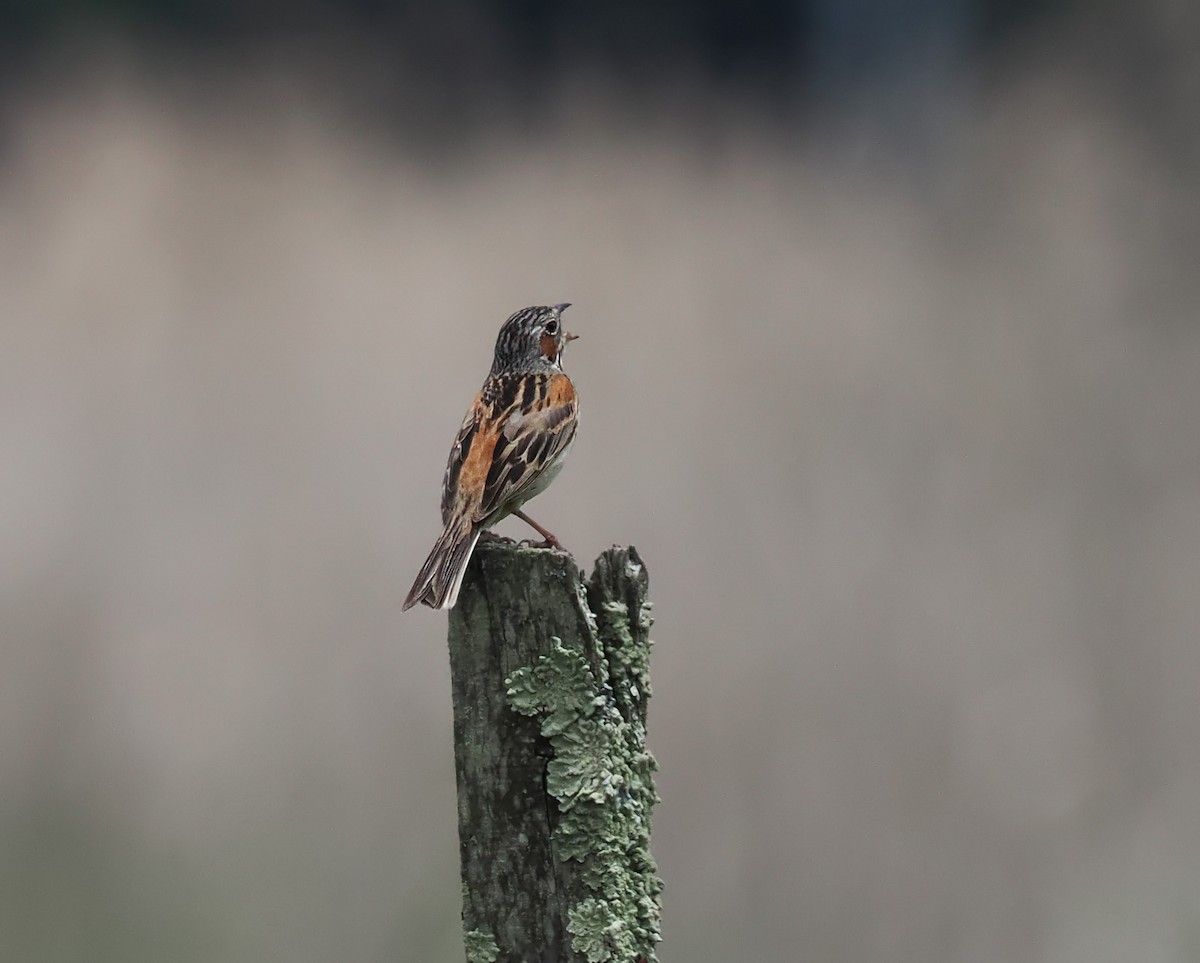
(441, 576)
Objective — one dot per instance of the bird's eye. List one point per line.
(552, 327)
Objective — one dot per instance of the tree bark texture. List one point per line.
(550, 678)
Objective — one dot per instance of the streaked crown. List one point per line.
(532, 339)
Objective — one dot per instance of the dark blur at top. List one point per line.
(772, 47)
(837, 67)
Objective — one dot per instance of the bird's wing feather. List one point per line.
(537, 426)
(516, 427)
(459, 452)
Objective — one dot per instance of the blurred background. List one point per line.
(890, 368)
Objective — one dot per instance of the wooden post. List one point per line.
(550, 678)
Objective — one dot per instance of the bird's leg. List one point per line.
(551, 541)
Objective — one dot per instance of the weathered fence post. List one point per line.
(550, 677)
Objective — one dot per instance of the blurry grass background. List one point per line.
(890, 367)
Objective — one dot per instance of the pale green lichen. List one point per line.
(599, 933)
(559, 688)
(629, 662)
(480, 947)
(601, 777)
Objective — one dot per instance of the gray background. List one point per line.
(894, 382)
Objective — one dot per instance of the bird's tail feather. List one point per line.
(441, 576)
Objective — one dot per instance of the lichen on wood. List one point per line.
(480, 947)
(556, 791)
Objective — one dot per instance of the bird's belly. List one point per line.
(547, 475)
(537, 486)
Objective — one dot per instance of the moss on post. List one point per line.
(555, 784)
(480, 947)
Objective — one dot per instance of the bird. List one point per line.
(512, 444)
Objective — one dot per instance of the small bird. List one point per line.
(512, 444)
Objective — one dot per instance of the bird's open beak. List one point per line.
(568, 337)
